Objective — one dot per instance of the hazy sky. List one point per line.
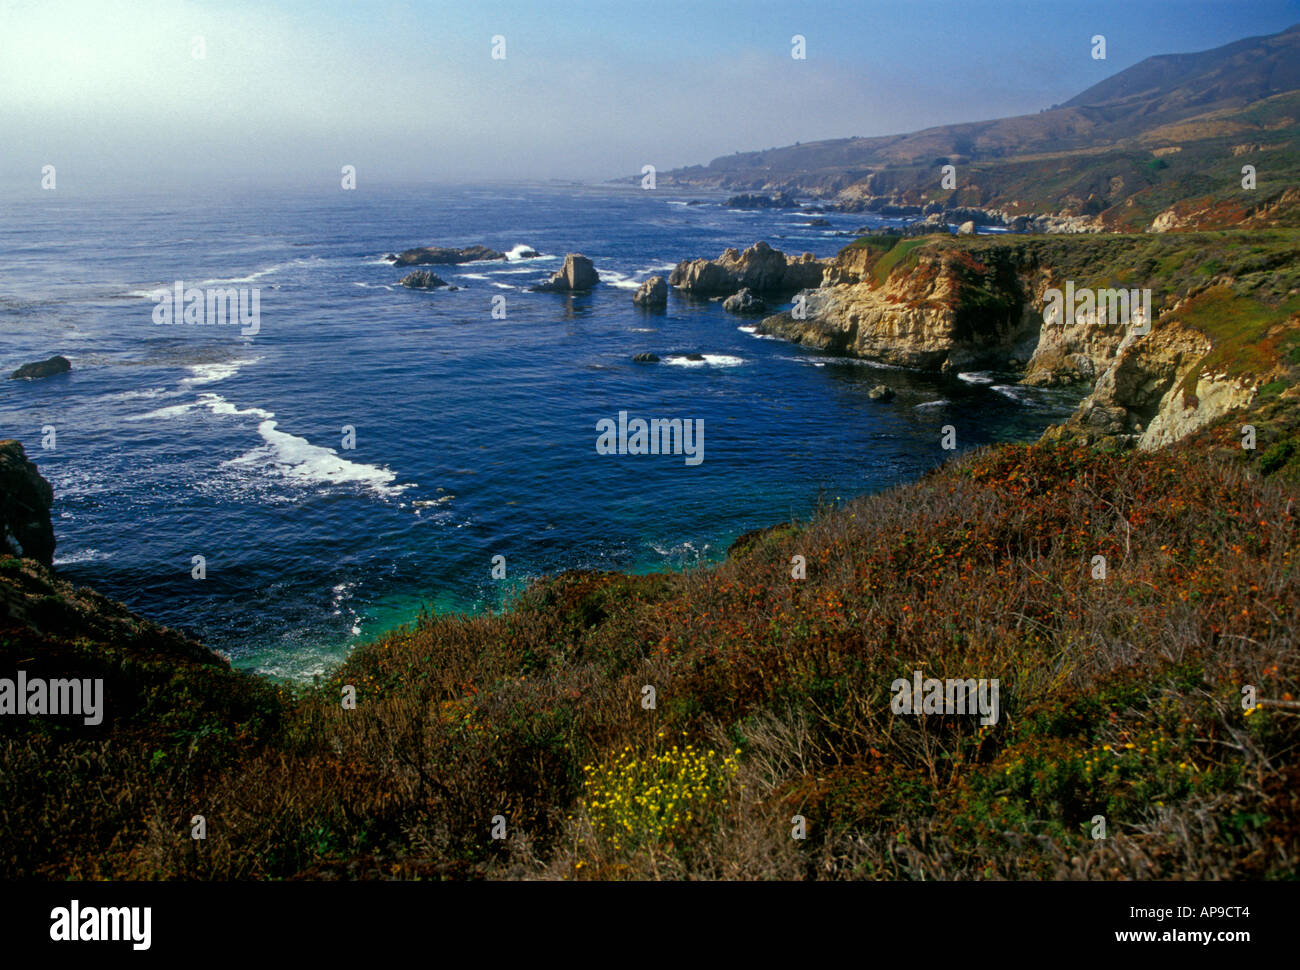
(112, 92)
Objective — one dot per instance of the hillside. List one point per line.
(1173, 128)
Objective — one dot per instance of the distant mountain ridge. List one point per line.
(1160, 107)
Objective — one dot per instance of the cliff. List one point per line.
(1225, 319)
(35, 600)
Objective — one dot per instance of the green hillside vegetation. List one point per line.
(1119, 698)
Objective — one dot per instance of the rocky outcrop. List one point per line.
(881, 392)
(576, 274)
(744, 303)
(653, 293)
(25, 498)
(442, 255)
(421, 279)
(759, 268)
(42, 368)
(646, 358)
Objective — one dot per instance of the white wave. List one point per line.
(251, 277)
(81, 555)
(211, 373)
(975, 377)
(213, 402)
(147, 393)
(164, 414)
(1017, 394)
(612, 277)
(712, 360)
(303, 463)
(472, 276)
(934, 404)
(149, 293)
(515, 252)
(854, 361)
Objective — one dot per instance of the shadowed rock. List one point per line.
(25, 497)
(42, 368)
(744, 303)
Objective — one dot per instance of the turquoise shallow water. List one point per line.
(475, 436)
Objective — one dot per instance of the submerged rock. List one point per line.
(42, 368)
(577, 273)
(652, 293)
(881, 392)
(646, 358)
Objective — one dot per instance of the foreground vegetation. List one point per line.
(1120, 698)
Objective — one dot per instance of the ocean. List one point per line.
(474, 435)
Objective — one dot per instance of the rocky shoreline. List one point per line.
(944, 305)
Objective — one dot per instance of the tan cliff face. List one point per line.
(944, 309)
(919, 315)
(1140, 398)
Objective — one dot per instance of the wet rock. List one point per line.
(42, 368)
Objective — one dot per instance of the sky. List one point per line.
(111, 91)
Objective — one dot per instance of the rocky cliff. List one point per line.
(34, 599)
(1225, 319)
(25, 498)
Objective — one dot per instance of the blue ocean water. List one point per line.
(474, 436)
